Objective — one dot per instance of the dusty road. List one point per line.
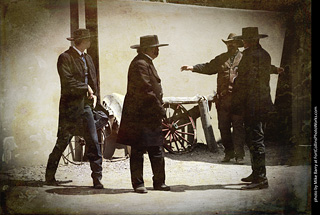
(200, 184)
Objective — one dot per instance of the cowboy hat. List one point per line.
(231, 39)
(250, 33)
(80, 33)
(148, 41)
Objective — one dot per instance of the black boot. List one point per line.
(227, 158)
(250, 178)
(97, 184)
(162, 187)
(52, 166)
(259, 184)
(258, 178)
(51, 170)
(96, 174)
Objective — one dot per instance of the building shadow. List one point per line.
(64, 188)
(28, 183)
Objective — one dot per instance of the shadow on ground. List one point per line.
(85, 190)
(276, 154)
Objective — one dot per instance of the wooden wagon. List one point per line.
(179, 127)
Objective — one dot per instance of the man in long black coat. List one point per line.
(78, 88)
(142, 113)
(252, 99)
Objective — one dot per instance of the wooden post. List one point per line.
(195, 114)
(206, 125)
(91, 16)
(74, 16)
(74, 25)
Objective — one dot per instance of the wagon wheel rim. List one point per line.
(78, 143)
(69, 153)
(179, 130)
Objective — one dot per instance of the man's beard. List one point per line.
(156, 53)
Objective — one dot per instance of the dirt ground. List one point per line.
(200, 184)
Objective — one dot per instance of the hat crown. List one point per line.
(149, 40)
(232, 39)
(251, 33)
(81, 33)
(231, 35)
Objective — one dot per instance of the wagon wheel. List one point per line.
(179, 129)
(75, 151)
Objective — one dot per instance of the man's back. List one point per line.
(251, 87)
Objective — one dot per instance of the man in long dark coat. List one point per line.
(252, 99)
(78, 88)
(142, 115)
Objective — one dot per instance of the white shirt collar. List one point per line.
(80, 53)
(148, 56)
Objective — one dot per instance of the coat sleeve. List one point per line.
(213, 67)
(71, 85)
(273, 70)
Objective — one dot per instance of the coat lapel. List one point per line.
(81, 66)
(237, 59)
(78, 61)
(154, 72)
(91, 71)
(151, 66)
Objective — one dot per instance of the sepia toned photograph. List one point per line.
(157, 107)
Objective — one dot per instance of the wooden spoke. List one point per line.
(179, 129)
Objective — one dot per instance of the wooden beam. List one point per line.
(206, 125)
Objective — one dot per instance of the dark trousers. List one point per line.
(255, 142)
(156, 156)
(233, 143)
(93, 148)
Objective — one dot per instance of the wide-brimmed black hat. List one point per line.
(148, 41)
(231, 39)
(80, 33)
(250, 33)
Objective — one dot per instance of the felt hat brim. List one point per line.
(149, 46)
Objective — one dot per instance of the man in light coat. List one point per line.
(225, 66)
